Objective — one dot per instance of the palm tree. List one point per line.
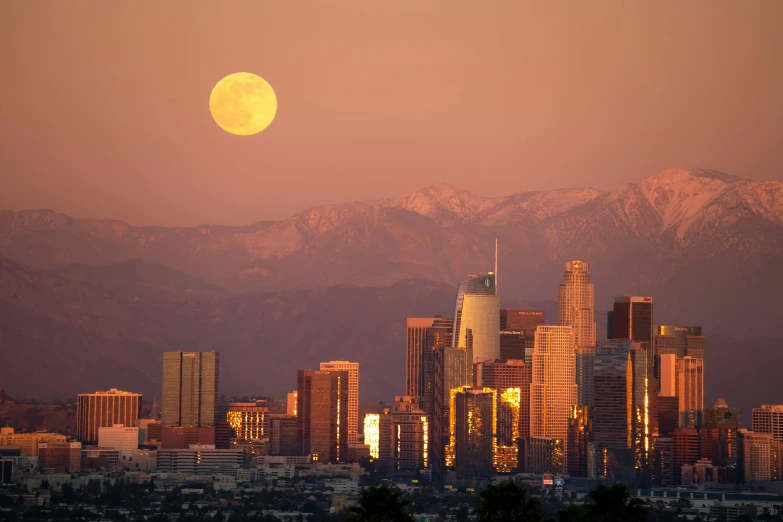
(614, 504)
(507, 502)
(380, 504)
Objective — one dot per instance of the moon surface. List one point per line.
(243, 104)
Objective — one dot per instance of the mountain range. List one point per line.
(103, 298)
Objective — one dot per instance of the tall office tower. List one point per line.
(190, 389)
(424, 336)
(475, 284)
(668, 414)
(686, 449)
(690, 391)
(105, 409)
(282, 435)
(612, 418)
(553, 389)
(322, 414)
(760, 457)
(718, 438)
(480, 326)
(506, 377)
(475, 432)
(580, 449)
(453, 371)
(663, 461)
(352, 368)
(768, 419)
(409, 437)
(576, 308)
(678, 340)
(632, 319)
(525, 321)
(511, 380)
(512, 344)
(290, 407)
(249, 420)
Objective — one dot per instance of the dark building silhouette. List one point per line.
(474, 433)
(282, 435)
(322, 415)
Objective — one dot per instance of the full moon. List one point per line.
(243, 104)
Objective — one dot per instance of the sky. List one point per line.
(105, 105)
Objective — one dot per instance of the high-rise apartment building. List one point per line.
(760, 457)
(479, 329)
(553, 390)
(768, 419)
(690, 391)
(409, 437)
(352, 369)
(576, 308)
(322, 414)
(475, 284)
(190, 389)
(475, 432)
(104, 409)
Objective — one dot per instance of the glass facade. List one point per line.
(105, 409)
(473, 285)
(190, 389)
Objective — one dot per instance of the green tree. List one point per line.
(380, 504)
(507, 502)
(614, 504)
(572, 513)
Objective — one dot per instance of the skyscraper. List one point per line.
(511, 380)
(479, 328)
(190, 389)
(612, 417)
(424, 336)
(475, 284)
(105, 409)
(576, 308)
(690, 391)
(525, 320)
(475, 432)
(249, 420)
(352, 368)
(768, 419)
(322, 414)
(677, 340)
(408, 437)
(633, 320)
(553, 389)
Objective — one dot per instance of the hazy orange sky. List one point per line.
(105, 104)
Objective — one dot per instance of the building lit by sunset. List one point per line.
(190, 389)
(352, 369)
(322, 414)
(576, 308)
(105, 409)
(553, 390)
(249, 420)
